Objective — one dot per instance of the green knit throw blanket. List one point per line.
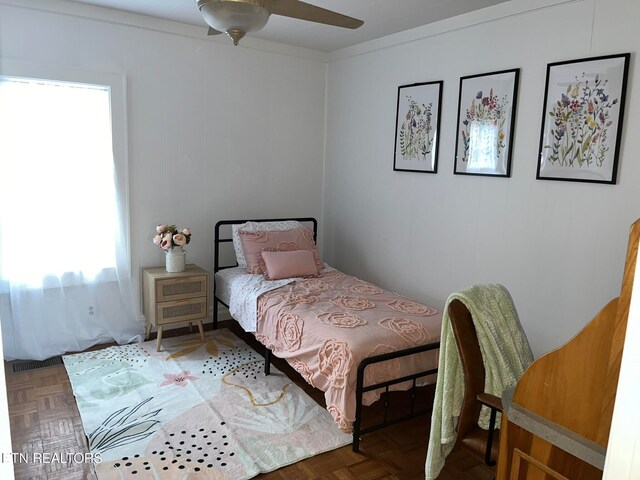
(506, 355)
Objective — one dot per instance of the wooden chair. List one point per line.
(483, 444)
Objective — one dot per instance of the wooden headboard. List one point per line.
(223, 234)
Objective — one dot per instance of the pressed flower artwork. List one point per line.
(582, 119)
(418, 127)
(486, 116)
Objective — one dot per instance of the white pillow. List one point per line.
(257, 227)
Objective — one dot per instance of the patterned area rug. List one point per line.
(194, 411)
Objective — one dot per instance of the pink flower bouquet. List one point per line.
(168, 236)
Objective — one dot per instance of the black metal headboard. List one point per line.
(218, 239)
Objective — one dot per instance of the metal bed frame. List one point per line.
(358, 430)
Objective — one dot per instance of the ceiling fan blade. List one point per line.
(306, 11)
(213, 32)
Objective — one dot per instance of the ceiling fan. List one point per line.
(237, 17)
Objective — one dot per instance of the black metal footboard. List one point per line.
(361, 389)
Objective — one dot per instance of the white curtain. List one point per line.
(64, 266)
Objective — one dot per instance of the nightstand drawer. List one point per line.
(171, 289)
(181, 310)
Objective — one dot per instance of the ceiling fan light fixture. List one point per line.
(233, 17)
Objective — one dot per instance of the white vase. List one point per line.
(176, 259)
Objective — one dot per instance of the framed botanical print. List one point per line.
(486, 119)
(418, 127)
(582, 119)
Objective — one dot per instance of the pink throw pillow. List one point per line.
(289, 264)
(253, 243)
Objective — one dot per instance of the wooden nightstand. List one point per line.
(175, 297)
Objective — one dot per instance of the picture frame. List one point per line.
(418, 127)
(486, 123)
(582, 118)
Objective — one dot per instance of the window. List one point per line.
(57, 189)
(65, 282)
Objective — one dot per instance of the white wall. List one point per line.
(559, 247)
(215, 131)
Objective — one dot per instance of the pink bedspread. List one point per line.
(325, 326)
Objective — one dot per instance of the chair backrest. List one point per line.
(472, 365)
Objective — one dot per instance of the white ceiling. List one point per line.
(381, 17)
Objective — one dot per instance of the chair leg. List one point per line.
(492, 427)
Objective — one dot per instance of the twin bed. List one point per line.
(347, 337)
